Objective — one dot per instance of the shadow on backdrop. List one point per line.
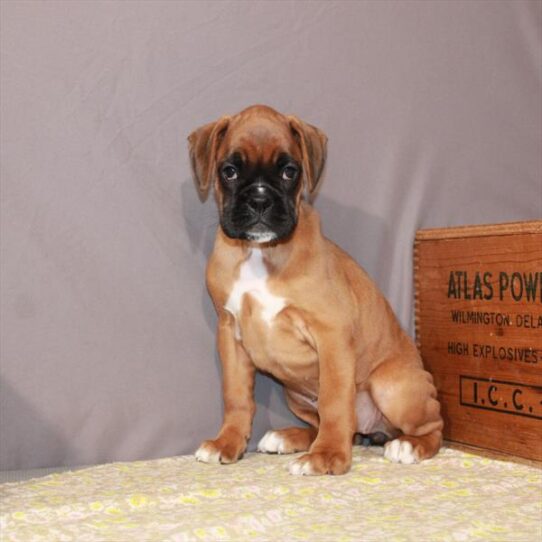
(40, 432)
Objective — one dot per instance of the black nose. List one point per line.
(259, 203)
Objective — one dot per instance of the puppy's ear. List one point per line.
(313, 143)
(203, 145)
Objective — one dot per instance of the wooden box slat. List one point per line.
(478, 314)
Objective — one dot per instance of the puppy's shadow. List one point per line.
(358, 232)
(200, 224)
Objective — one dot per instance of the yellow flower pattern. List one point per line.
(454, 497)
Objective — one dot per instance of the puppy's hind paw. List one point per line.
(400, 451)
(272, 443)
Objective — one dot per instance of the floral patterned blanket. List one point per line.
(454, 497)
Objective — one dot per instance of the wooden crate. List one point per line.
(478, 306)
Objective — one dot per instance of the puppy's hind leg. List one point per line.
(406, 396)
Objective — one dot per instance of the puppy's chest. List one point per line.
(250, 298)
(273, 339)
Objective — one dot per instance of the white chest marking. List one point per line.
(253, 280)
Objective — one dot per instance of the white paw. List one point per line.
(303, 468)
(271, 443)
(206, 455)
(400, 451)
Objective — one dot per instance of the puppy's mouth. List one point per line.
(259, 230)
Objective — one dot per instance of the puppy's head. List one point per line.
(258, 162)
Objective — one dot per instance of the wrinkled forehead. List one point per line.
(259, 140)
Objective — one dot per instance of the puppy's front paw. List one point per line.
(317, 463)
(219, 451)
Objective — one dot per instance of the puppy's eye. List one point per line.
(229, 173)
(289, 173)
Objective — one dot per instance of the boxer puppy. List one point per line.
(292, 304)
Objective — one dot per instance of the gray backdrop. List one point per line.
(434, 117)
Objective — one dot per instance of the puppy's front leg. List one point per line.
(331, 452)
(238, 374)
